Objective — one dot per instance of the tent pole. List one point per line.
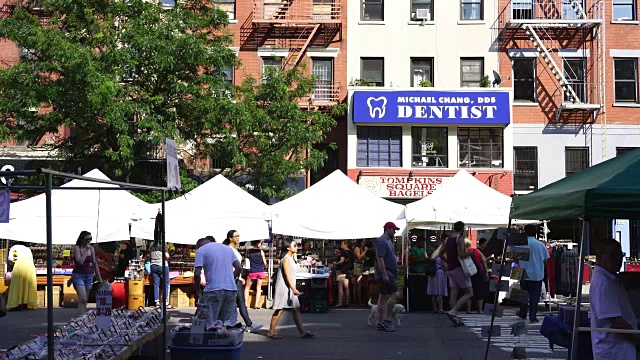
(164, 283)
(50, 338)
(495, 300)
(584, 249)
(270, 264)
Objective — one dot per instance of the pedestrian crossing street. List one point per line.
(537, 346)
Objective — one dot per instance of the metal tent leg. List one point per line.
(584, 249)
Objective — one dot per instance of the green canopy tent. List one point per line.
(609, 190)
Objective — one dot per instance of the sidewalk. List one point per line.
(341, 334)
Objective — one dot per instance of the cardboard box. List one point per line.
(251, 300)
(42, 297)
(179, 298)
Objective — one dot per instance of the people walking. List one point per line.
(232, 240)
(257, 265)
(386, 269)
(454, 249)
(84, 268)
(221, 267)
(286, 293)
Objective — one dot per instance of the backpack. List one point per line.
(430, 268)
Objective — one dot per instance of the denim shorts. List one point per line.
(82, 280)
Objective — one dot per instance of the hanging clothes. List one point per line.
(550, 270)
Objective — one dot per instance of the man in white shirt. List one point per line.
(221, 267)
(610, 307)
(533, 274)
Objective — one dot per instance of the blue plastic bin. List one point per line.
(205, 352)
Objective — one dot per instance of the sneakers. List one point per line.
(254, 327)
(386, 326)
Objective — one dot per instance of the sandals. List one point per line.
(308, 335)
(274, 336)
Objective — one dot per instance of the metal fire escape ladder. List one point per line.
(296, 52)
(555, 69)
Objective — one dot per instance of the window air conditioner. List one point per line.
(423, 14)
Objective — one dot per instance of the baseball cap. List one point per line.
(391, 225)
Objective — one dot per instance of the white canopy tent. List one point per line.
(212, 208)
(105, 213)
(335, 208)
(463, 198)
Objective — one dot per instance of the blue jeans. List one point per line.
(221, 305)
(82, 280)
(156, 274)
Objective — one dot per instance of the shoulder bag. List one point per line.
(468, 267)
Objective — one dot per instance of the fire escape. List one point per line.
(557, 27)
(297, 25)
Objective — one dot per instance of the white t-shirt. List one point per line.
(237, 254)
(609, 299)
(217, 261)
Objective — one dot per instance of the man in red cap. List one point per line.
(386, 267)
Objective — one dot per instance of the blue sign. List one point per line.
(432, 107)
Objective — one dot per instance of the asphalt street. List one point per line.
(341, 334)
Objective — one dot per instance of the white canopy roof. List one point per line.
(212, 208)
(335, 208)
(105, 213)
(463, 198)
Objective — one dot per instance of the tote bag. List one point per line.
(468, 267)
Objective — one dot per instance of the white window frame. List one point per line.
(232, 15)
(471, 2)
(634, 11)
(462, 60)
(372, 2)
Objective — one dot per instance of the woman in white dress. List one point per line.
(286, 295)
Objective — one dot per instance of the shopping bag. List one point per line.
(468, 267)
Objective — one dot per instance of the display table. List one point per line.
(314, 292)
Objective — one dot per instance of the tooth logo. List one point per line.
(377, 105)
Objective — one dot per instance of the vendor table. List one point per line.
(314, 292)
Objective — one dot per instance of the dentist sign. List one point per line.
(432, 107)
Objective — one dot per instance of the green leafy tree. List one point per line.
(268, 136)
(121, 74)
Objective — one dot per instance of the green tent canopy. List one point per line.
(609, 190)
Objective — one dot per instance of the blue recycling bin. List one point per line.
(206, 352)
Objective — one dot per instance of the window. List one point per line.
(574, 72)
(274, 63)
(168, 3)
(380, 146)
(625, 74)
(323, 71)
(227, 74)
(422, 10)
(27, 54)
(624, 10)
(323, 9)
(228, 6)
(524, 80)
(480, 147)
(471, 70)
(522, 10)
(471, 10)
(421, 71)
(525, 168)
(575, 159)
(624, 150)
(573, 9)
(372, 10)
(372, 70)
(429, 147)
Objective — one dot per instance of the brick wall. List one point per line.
(618, 36)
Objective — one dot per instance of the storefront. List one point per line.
(404, 144)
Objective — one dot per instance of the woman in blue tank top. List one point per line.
(257, 262)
